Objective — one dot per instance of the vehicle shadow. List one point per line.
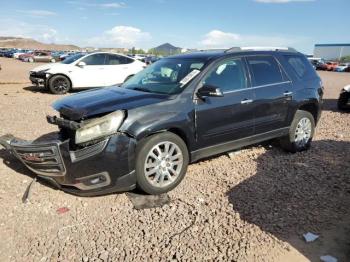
(13, 163)
(139, 199)
(305, 192)
(330, 105)
(36, 89)
(41, 89)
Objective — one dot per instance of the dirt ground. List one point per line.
(252, 206)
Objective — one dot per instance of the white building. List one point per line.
(331, 51)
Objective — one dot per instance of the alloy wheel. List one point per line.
(163, 164)
(303, 132)
(60, 85)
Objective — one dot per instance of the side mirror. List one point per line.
(208, 90)
(81, 64)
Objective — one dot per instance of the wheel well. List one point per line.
(70, 81)
(178, 132)
(311, 108)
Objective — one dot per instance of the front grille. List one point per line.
(88, 151)
(38, 74)
(41, 159)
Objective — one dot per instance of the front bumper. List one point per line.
(38, 78)
(102, 168)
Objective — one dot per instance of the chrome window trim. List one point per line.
(254, 87)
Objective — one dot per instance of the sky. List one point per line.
(201, 24)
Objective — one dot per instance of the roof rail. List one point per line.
(259, 48)
(211, 50)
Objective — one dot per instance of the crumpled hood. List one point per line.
(49, 66)
(104, 100)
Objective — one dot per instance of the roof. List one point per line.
(205, 55)
(213, 54)
(331, 45)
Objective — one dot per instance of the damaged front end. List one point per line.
(85, 158)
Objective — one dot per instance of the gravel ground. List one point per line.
(252, 206)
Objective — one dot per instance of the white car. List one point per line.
(85, 71)
(345, 67)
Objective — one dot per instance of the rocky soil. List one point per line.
(252, 206)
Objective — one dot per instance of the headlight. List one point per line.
(99, 127)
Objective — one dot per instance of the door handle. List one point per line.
(287, 93)
(246, 101)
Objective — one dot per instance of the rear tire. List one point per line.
(161, 163)
(30, 60)
(59, 85)
(300, 134)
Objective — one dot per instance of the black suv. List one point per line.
(175, 112)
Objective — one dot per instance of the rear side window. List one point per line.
(300, 65)
(265, 70)
(113, 60)
(95, 59)
(126, 60)
(118, 60)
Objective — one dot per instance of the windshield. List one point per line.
(167, 76)
(72, 58)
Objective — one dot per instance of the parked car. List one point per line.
(318, 64)
(178, 110)
(85, 71)
(20, 52)
(67, 54)
(331, 66)
(24, 57)
(3, 51)
(345, 67)
(9, 53)
(57, 55)
(150, 59)
(41, 56)
(344, 98)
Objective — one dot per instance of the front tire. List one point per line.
(59, 85)
(300, 134)
(161, 163)
(30, 60)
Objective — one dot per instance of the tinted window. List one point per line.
(228, 76)
(126, 60)
(300, 66)
(265, 70)
(72, 58)
(117, 60)
(96, 59)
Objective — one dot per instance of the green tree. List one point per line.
(345, 59)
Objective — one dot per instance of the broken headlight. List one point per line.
(99, 127)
